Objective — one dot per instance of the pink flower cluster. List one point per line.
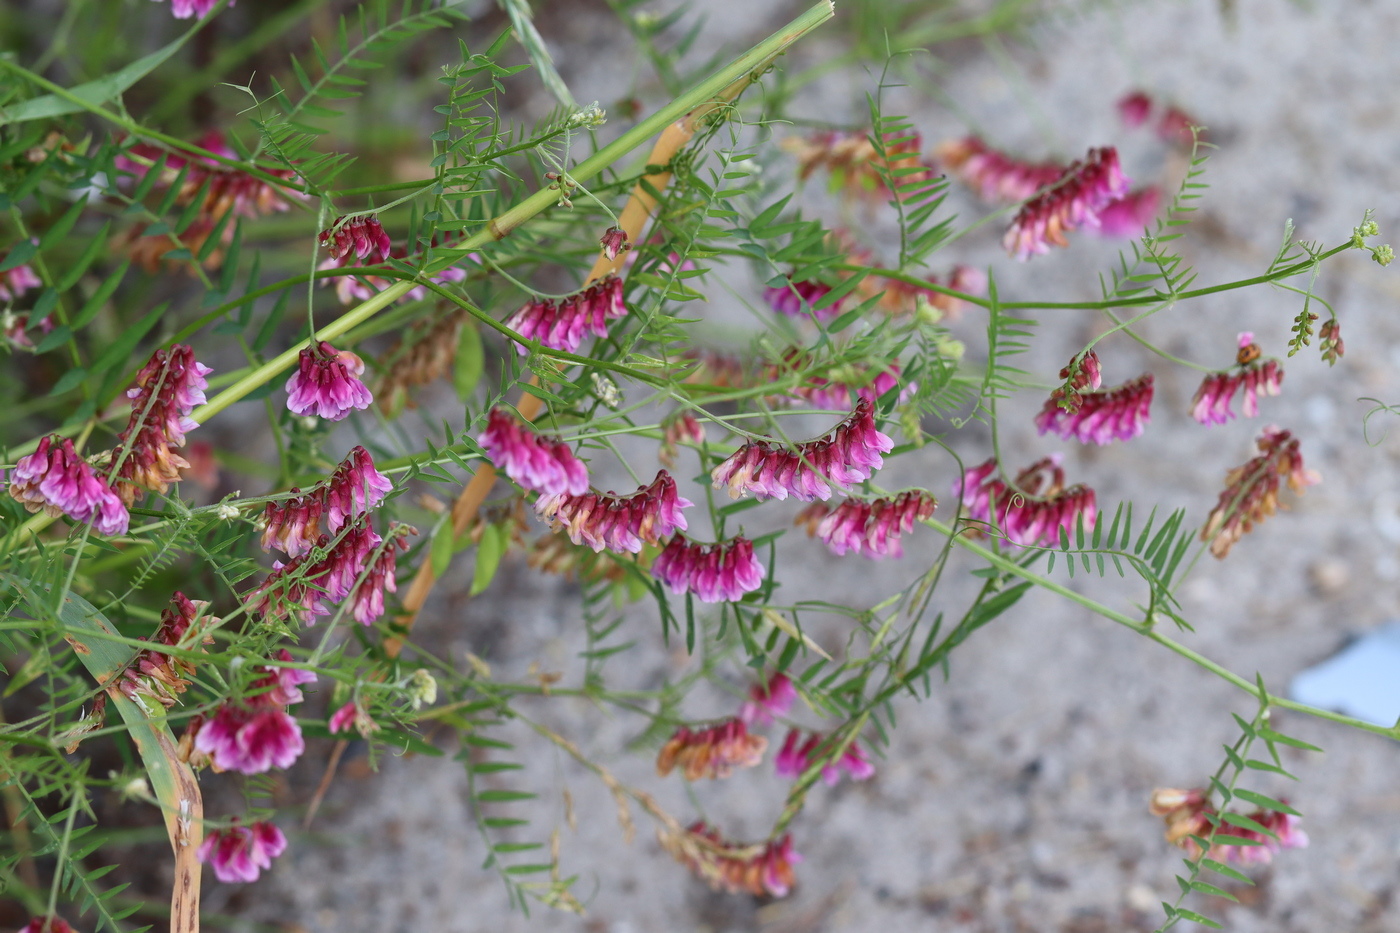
(240, 853)
(1102, 416)
(1173, 126)
(1251, 490)
(996, 177)
(618, 523)
(309, 588)
(15, 282)
(167, 389)
(361, 236)
(683, 428)
(54, 478)
(1127, 216)
(799, 299)
(184, 9)
(713, 753)
(872, 528)
(544, 465)
(561, 325)
(156, 674)
(47, 924)
(255, 734)
(294, 525)
(713, 572)
(768, 701)
(1211, 404)
(763, 871)
(847, 455)
(796, 756)
(353, 715)
(1033, 509)
(1188, 813)
(327, 383)
(1085, 189)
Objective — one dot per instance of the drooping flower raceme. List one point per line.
(256, 733)
(848, 455)
(361, 237)
(711, 753)
(1251, 490)
(872, 528)
(768, 701)
(713, 572)
(562, 324)
(539, 464)
(158, 675)
(761, 870)
(1085, 189)
(796, 756)
(1256, 375)
(1126, 217)
(307, 589)
(47, 925)
(1102, 416)
(799, 299)
(167, 389)
(996, 177)
(54, 478)
(1188, 813)
(1032, 510)
(618, 523)
(327, 383)
(240, 853)
(295, 525)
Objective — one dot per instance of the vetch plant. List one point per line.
(186, 611)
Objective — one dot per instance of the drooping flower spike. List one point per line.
(54, 478)
(544, 465)
(1101, 416)
(996, 177)
(240, 853)
(1188, 813)
(1126, 217)
(713, 572)
(768, 701)
(796, 756)
(327, 383)
(307, 589)
(361, 237)
(848, 455)
(799, 299)
(1033, 509)
(1329, 337)
(294, 525)
(1255, 374)
(562, 324)
(871, 529)
(160, 676)
(256, 733)
(1085, 189)
(764, 870)
(1251, 490)
(167, 389)
(711, 753)
(618, 523)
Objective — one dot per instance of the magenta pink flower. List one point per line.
(184, 9)
(1033, 509)
(872, 528)
(713, 753)
(368, 602)
(361, 236)
(847, 455)
(561, 325)
(294, 525)
(796, 756)
(1134, 108)
(1188, 813)
(799, 299)
(768, 701)
(713, 572)
(1129, 215)
(283, 683)
(613, 242)
(54, 478)
(544, 465)
(1074, 201)
(308, 589)
(250, 740)
(1175, 126)
(167, 389)
(47, 925)
(996, 177)
(618, 523)
(1211, 404)
(1102, 416)
(327, 383)
(240, 853)
(343, 718)
(15, 282)
(682, 428)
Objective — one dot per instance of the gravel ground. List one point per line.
(1015, 798)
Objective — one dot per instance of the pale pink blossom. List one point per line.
(763, 871)
(240, 853)
(995, 176)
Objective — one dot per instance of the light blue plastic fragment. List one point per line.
(1361, 680)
